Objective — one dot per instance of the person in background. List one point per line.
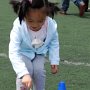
(86, 5)
(34, 34)
(79, 3)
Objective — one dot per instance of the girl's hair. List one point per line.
(21, 7)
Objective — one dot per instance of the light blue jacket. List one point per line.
(20, 43)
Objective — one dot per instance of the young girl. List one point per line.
(34, 33)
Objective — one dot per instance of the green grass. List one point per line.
(74, 33)
(74, 37)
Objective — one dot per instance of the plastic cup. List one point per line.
(61, 85)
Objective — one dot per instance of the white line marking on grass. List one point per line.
(73, 63)
(63, 61)
(3, 55)
(76, 63)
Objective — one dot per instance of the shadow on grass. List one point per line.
(86, 15)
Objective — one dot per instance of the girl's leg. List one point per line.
(28, 63)
(39, 73)
(19, 85)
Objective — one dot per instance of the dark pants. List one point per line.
(65, 4)
(86, 4)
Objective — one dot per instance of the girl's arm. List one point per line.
(54, 53)
(14, 51)
(54, 49)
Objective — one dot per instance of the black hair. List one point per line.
(21, 7)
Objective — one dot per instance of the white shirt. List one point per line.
(38, 37)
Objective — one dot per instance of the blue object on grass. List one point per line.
(61, 85)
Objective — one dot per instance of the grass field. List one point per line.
(74, 35)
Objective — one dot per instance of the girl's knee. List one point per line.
(39, 71)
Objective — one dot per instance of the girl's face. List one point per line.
(35, 18)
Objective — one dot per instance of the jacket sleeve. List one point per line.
(54, 48)
(14, 51)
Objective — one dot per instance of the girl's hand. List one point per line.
(54, 69)
(27, 81)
